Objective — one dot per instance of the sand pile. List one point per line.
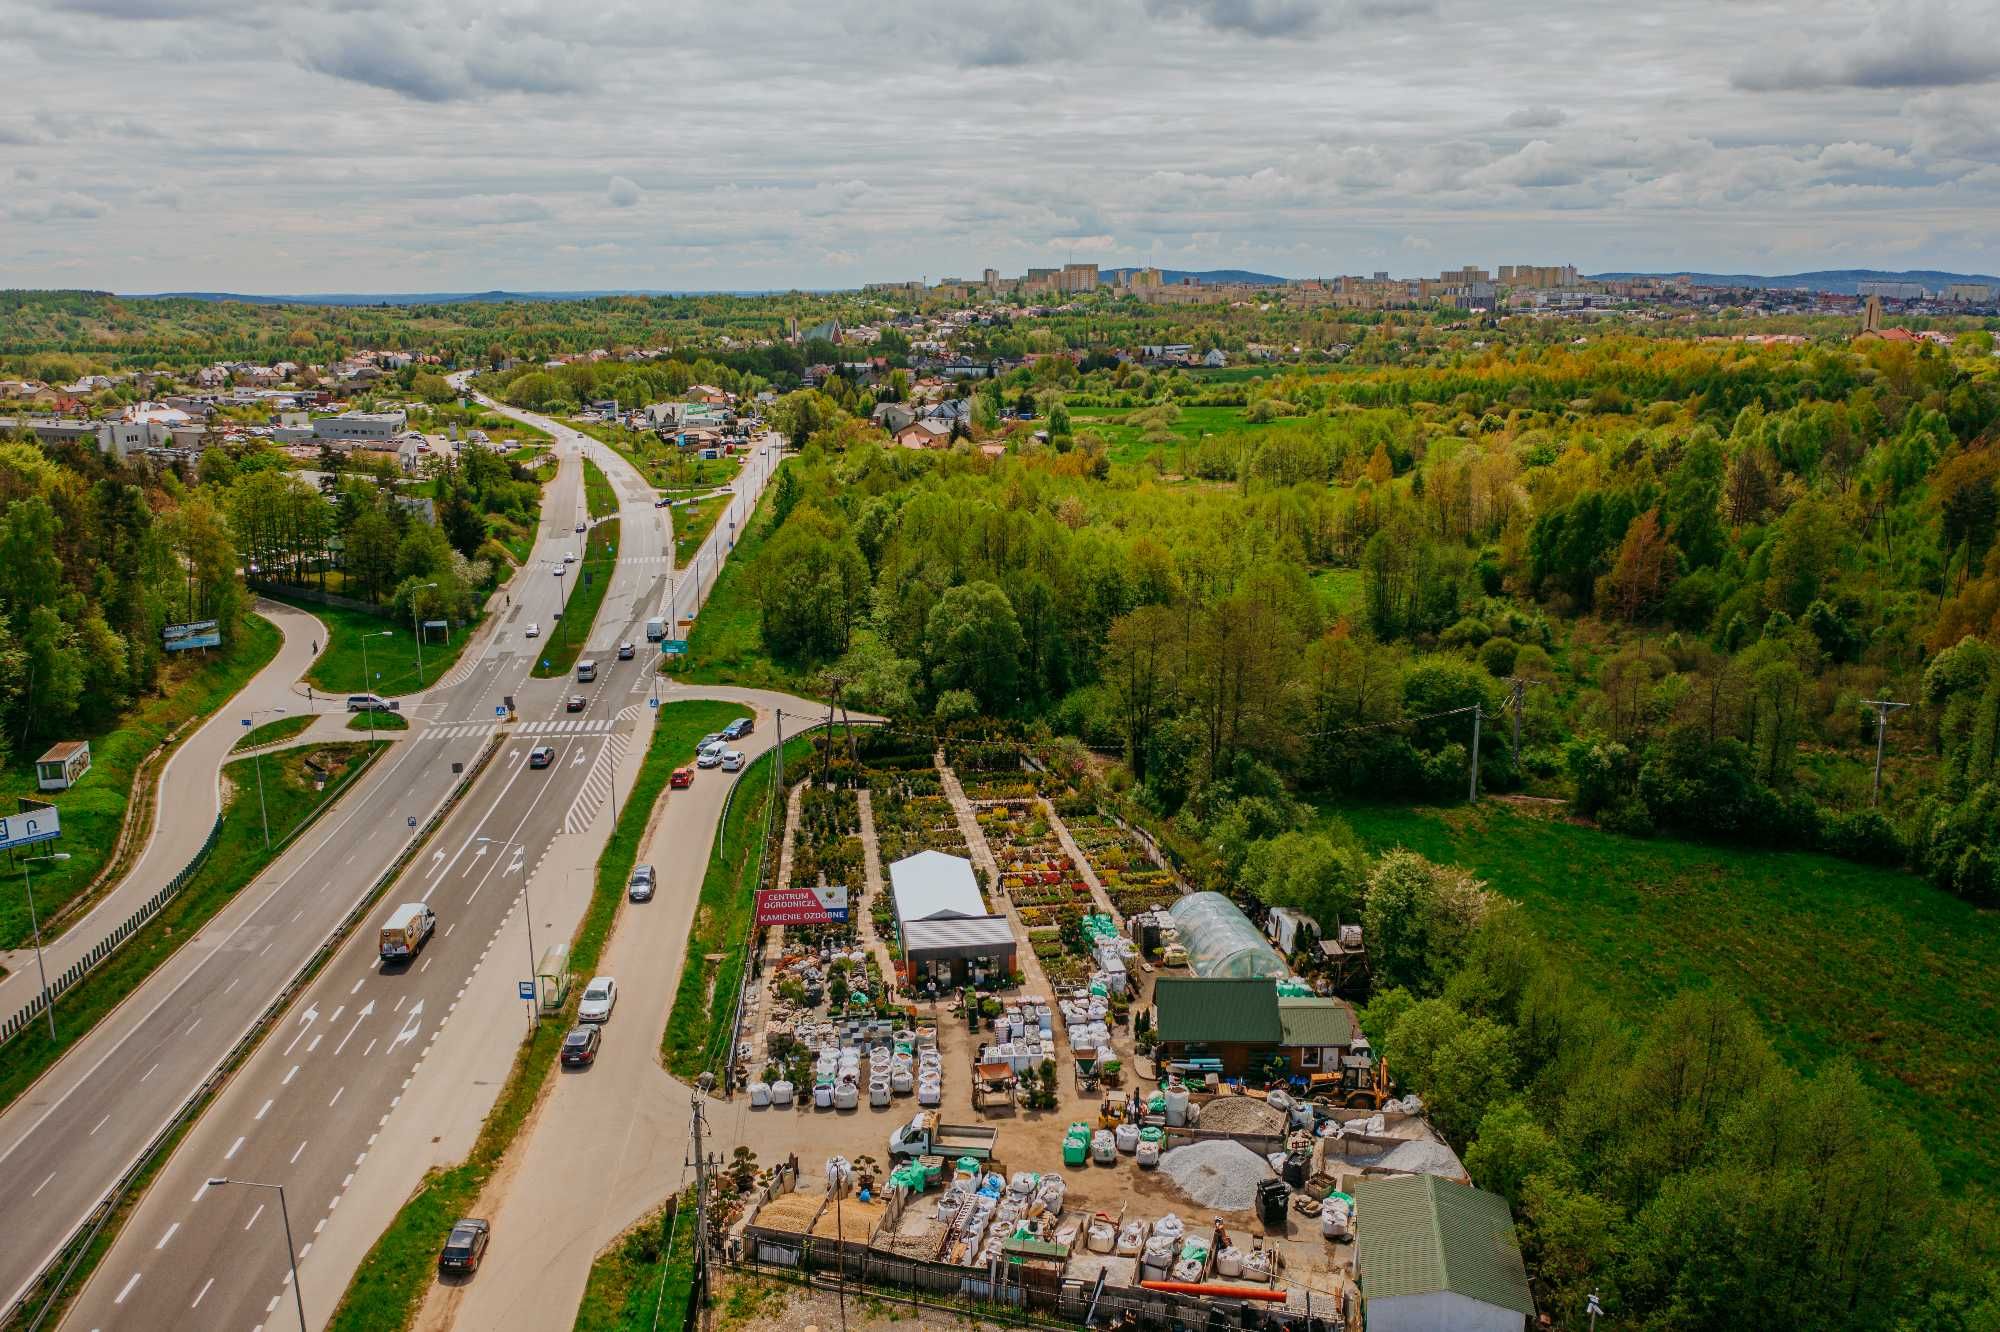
(1221, 1176)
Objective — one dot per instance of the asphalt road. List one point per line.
(309, 1106)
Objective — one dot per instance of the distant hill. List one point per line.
(418, 297)
(1207, 277)
(1839, 281)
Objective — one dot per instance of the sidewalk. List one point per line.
(189, 799)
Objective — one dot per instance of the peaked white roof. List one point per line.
(934, 886)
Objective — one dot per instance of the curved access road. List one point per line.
(190, 796)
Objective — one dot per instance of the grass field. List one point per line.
(193, 686)
(588, 582)
(1838, 959)
(388, 1288)
(670, 469)
(271, 732)
(727, 643)
(698, 1029)
(239, 857)
(641, 1281)
(1130, 445)
(390, 653)
(692, 524)
(598, 496)
(1340, 589)
(372, 722)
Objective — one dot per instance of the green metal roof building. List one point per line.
(1432, 1255)
(1244, 1023)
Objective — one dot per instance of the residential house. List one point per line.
(1216, 358)
(925, 434)
(892, 416)
(1246, 1025)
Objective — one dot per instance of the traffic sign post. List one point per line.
(528, 991)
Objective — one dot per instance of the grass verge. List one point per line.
(238, 858)
(692, 524)
(1838, 959)
(727, 643)
(598, 496)
(271, 732)
(93, 811)
(388, 1287)
(343, 667)
(642, 1280)
(698, 1029)
(378, 721)
(592, 578)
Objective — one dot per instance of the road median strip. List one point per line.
(64, 1276)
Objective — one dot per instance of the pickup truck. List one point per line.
(925, 1135)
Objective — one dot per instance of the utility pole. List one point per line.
(1472, 793)
(835, 684)
(1517, 696)
(701, 1200)
(1883, 707)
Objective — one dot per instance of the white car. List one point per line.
(560, 569)
(732, 760)
(569, 557)
(710, 756)
(534, 630)
(598, 998)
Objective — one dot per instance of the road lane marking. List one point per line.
(201, 1192)
(234, 1148)
(336, 1098)
(302, 1253)
(448, 929)
(149, 1072)
(289, 1076)
(371, 1047)
(126, 1289)
(335, 1016)
(232, 985)
(203, 1291)
(44, 1184)
(265, 1109)
(253, 1216)
(300, 1152)
(100, 1124)
(314, 1043)
(359, 1018)
(358, 984)
(425, 967)
(191, 1026)
(164, 1238)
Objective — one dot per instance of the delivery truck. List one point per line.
(406, 930)
(925, 1135)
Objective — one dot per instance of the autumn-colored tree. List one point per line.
(1644, 570)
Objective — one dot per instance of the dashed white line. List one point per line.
(149, 1072)
(425, 967)
(371, 1048)
(200, 1193)
(164, 1238)
(203, 1291)
(126, 1289)
(44, 1184)
(358, 984)
(232, 985)
(100, 1124)
(336, 1099)
(300, 1152)
(191, 1026)
(314, 1043)
(265, 1109)
(253, 1216)
(234, 1148)
(289, 1076)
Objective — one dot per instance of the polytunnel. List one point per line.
(1221, 941)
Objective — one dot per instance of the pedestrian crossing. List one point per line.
(560, 726)
(596, 786)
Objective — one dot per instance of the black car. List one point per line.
(541, 756)
(739, 728)
(577, 703)
(466, 1246)
(580, 1046)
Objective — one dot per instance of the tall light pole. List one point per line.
(221, 1181)
(370, 674)
(258, 761)
(418, 631)
(1883, 707)
(527, 915)
(48, 1000)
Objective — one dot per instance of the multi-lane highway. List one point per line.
(309, 1107)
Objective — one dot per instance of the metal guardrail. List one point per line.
(63, 1266)
(110, 943)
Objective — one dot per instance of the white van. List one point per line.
(656, 630)
(586, 671)
(406, 931)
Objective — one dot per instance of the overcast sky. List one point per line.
(456, 145)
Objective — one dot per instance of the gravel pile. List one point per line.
(1221, 1176)
(1241, 1114)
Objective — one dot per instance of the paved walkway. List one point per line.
(190, 797)
(873, 885)
(1081, 861)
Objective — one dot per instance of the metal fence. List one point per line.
(110, 943)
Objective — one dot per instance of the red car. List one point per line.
(682, 777)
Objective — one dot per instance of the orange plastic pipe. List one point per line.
(1215, 1289)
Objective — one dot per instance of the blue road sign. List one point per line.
(499, 709)
(528, 991)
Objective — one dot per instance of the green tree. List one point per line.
(972, 641)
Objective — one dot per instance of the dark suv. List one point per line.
(739, 728)
(580, 1046)
(465, 1247)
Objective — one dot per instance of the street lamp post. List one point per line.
(258, 762)
(291, 1252)
(418, 631)
(48, 1000)
(528, 917)
(370, 674)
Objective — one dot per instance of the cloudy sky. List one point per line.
(452, 145)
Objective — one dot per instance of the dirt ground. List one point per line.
(753, 1302)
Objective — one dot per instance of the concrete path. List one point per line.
(872, 885)
(190, 796)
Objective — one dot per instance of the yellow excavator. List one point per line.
(1362, 1082)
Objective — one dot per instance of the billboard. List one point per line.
(200, 634)
(31, 826)
(802, 906)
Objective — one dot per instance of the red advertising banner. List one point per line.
(802, 906)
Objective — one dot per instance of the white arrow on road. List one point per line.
(513, 866)
(359, 1018)
(410, 1025)
(306, 1019)
(578, 760)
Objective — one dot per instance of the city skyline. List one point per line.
(157, 145)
